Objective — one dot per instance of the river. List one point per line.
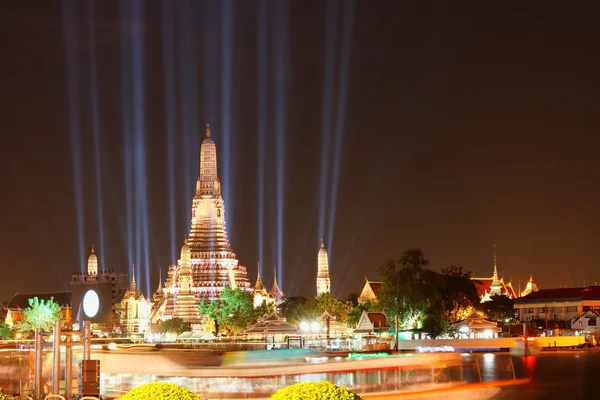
(560, 375)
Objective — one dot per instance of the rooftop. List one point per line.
(562, 294)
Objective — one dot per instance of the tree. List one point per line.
(327, 302)
(434, 324)
(405, 287)
(6, 332)
(457, 294)
(356, 313)
(40, 314)
(500, 309)
(295, 309)
(175, 326)
(299, 309)
(235, 312)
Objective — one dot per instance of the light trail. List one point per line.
(188, 88)
(69, 36)
(262, 90)
(132, 68)
(96, 132)
(168, 21)
(327, 112)
(340, 116)
(227, 24)
(281, 60)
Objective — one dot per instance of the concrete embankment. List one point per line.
(498, 344)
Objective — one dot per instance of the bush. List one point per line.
(3, 396)
(314, 391)
(160, 391)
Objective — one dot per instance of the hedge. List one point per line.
(314, 391)
(160, 391)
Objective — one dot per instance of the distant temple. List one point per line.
(492, 286)
(323, 279)
(275, 296)
(207, 264)
(531, 287)
(134, 310)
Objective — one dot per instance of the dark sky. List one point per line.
(459, 126)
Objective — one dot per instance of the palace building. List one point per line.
(207, 264)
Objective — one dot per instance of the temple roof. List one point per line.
(272, 324)
(483, 286)
(561, 294)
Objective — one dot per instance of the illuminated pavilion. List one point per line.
(207, 264)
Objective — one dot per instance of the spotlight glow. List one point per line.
(169, 87)
(69, 36)
(281, 60)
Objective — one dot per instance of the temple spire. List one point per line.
(207, 131)
(323, 278)
(496, 286)
(495, 266)
(258, 286)
(159, 280)
(133, 286)
(276, 291)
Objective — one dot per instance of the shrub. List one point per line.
(314, 391)
(3, 396)
(160, 391)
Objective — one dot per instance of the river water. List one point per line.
(560, 375)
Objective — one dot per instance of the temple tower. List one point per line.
(186, 304)
(207, 263)
(323, 280)
(92, 265)
(496, 286)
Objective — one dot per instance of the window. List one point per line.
(572, 309)
(592, 321)
(530, 311)
(542, 309)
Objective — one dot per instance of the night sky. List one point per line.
(452, 127)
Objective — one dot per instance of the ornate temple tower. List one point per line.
(259, 292)
(208, 264)
(323, 280)
(496, 286)
(276, 293)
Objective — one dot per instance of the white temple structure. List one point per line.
(323, 280)
(207, 264)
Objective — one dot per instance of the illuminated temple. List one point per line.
(323, 280)
(207, 264)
